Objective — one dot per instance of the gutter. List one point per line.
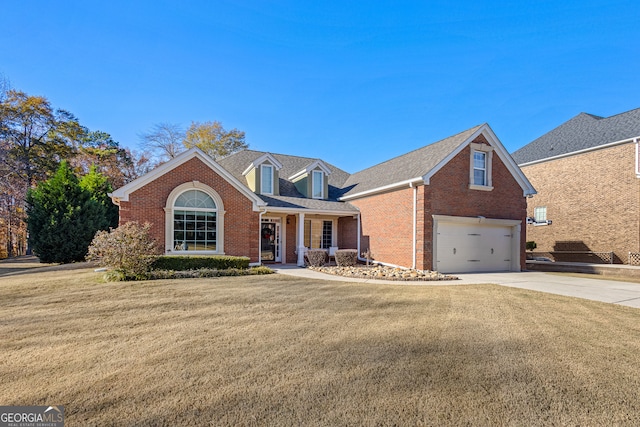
(586, 150)
(409, 182)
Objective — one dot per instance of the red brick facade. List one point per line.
(387, 219)
(241, 228)
(397, 226)
(592, 199)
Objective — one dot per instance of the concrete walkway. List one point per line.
(611, 291)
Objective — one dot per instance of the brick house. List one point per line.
(586, 173)
(456, 205)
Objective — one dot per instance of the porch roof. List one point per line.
(304, 205)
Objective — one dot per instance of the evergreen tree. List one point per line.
(62, 217)
(98, 185)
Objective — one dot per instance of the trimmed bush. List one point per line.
(214, 262)
(207, 272)
(317, 257)
(129, 250)
(346, 257)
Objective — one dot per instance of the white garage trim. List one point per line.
(513, 225)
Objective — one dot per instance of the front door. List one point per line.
(270, 240)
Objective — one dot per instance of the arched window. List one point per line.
(194, 220)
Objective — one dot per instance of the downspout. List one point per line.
(415, 224)
(358, 245)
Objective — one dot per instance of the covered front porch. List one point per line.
(285, 236)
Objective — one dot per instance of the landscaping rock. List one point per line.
(384, 273)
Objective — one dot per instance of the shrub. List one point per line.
(316, 257)
(531, 245)
(207, 272)
(346, 257)
(216, 262)
(63, 217)
(129, 250)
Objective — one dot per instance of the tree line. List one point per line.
(55, 173)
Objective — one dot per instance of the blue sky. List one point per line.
(351, 82)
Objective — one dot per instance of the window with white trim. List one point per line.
(317, 184)
(195, 225)
(318, 234)
(480, 167)
(266, 179)
(540, 213)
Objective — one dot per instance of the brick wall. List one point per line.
(347, 233)
(387, 219)
(592, 200)
(449, 194)
(387, 226)
(241, 226)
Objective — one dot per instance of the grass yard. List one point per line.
(274, 350)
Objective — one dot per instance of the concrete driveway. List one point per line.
(596, 289)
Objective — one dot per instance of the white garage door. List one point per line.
(464, 248)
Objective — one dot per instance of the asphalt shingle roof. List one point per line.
(581, 132)
(238, 162)
(408, 166)
(414, 164)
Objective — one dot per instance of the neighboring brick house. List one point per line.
(453, 206)
(586, 174)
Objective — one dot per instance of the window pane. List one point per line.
(479, 160)
(318, 184)
(194, 231)
(267, 179)
(195, 199)
(478, 177)
(540, 213)
(327, 235)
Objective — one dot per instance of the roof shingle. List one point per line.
(579, 133)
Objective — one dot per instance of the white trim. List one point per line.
(316, 164)
(310, 211)
(637, 141)
(313, 183)
(495, 144)
(300, 239)
(122, 193)
(382, 189)
(415, 228)
(487, 150)
(585, 150)
(260, 160)
(168, 218)
(262, 180)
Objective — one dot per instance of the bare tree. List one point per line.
(164, 140)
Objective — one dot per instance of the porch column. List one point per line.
(300, 240)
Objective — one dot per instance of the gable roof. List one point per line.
(122, 193)
(289, 197)
(420, 165)
(582, 132)
(404, 168)
(236, 163)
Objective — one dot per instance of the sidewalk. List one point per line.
(596, 289)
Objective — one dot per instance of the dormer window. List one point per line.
(266, 179)
(317, 184)
(312, 181)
